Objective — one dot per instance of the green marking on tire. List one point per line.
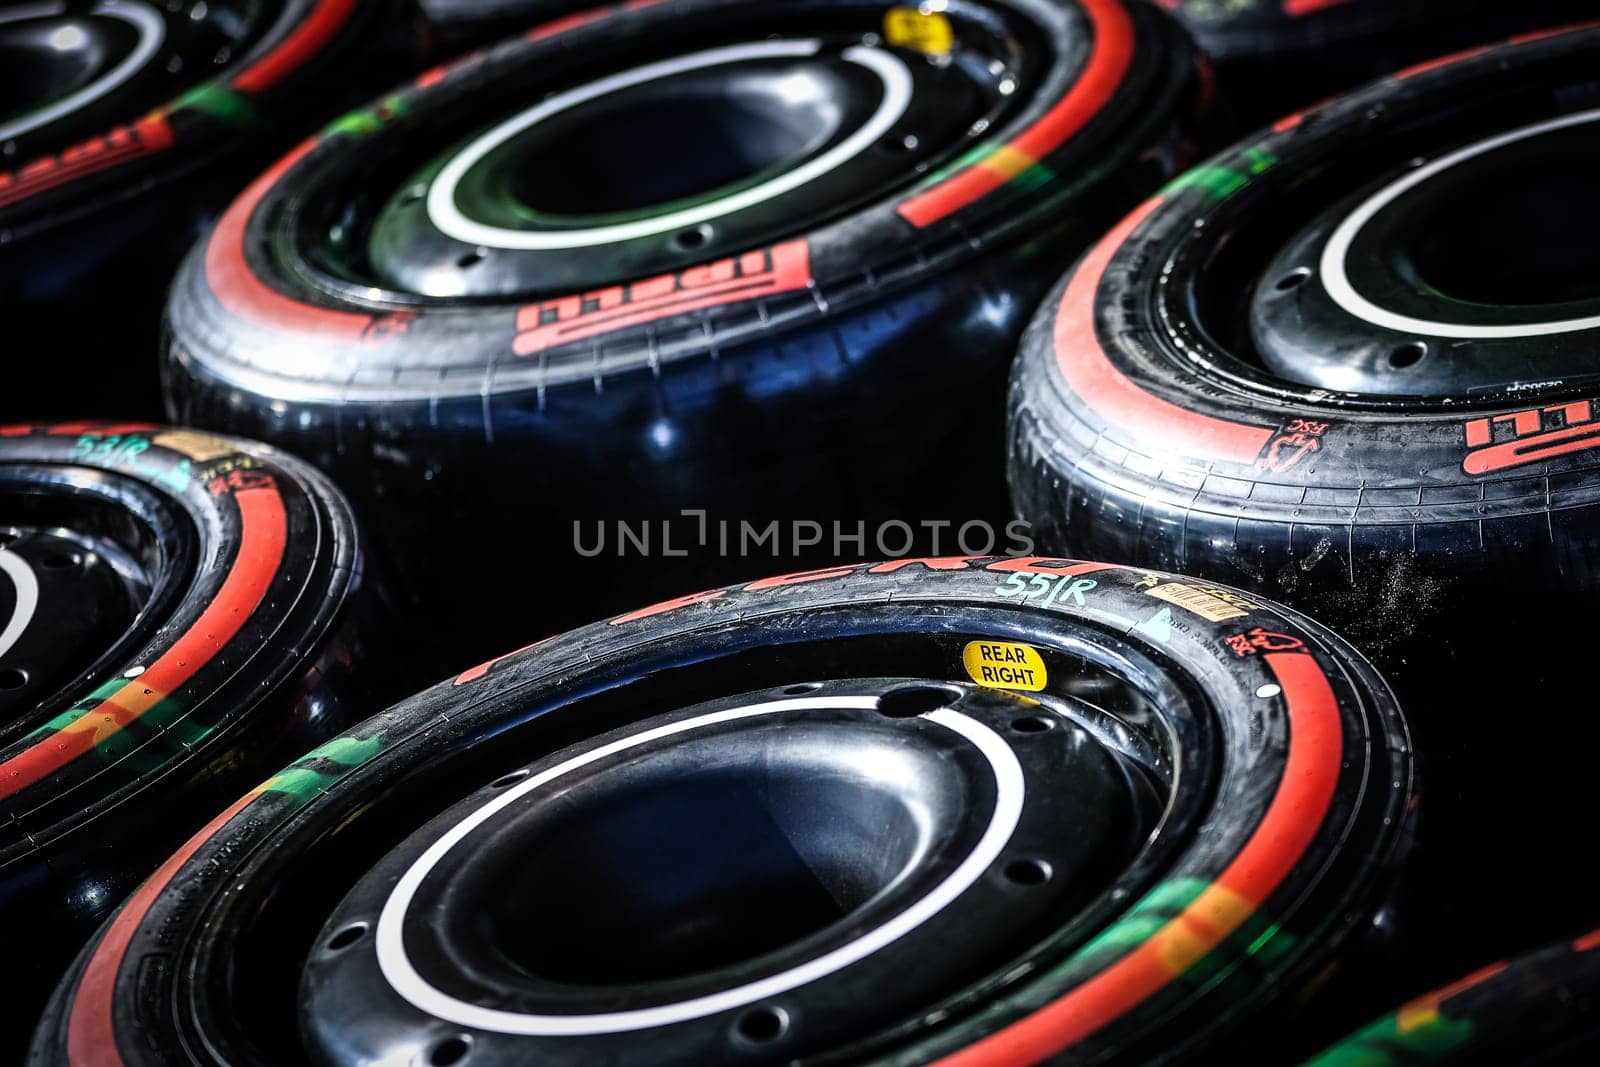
(1150, 914)
(1034, 177)
(77, 711)
(218, 101)
(301, 781)
(1384, 1044)
(1221, 181)
(363, 122)
(970, 158)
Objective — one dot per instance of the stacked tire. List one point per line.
(481, 346)
(1345, 364)
(804, 818)
(1274, 57)
(124, 125)
(1538, 1008)
(182, 613)
(647, 297)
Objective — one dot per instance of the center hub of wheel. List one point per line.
(769, 874)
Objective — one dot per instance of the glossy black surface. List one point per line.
(705, 860)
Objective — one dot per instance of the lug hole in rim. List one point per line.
(13, 678)
(451, 1050)
(1033, 724)
(1293, 280)
(1028, 872)
(60, 561)
(761, 1025)
(347, 937)
(471, 259)
(694, 238)
(910, 701)
(1407, 355)
(508, 779)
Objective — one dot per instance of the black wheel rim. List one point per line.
(719, 861)
(823, 115)
(68, 70)
(93, 563)
(1250, 282)
(1480, 244)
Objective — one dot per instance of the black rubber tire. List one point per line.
(1536, 1009)
(239, 658)
(1145, 429)
(878, 347)
(458, 25)
(98, 206)
(1298, 766)
(1173, 446)
(1277, 56)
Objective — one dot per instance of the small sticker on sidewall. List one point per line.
(1005, 665)
(927, 32)
(1211, 604)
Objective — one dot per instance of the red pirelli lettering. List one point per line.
(1500, 442)
(780, 269)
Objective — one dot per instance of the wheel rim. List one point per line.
(816, 120)
(1447, 253)
(878, 818)
(1346, 278)
(92, 562)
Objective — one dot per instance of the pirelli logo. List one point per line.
(781, 268)
(1515, 439)
(148, 135)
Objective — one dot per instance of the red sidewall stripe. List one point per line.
(1145, 418)
(568, 23)
(247, 296)
(91, 1030)
(1109, 60)
(152, 133)
(1287, 829)
(264, 528)
(1297, 9)
(579, 19)
(303, 42)
(72, 429)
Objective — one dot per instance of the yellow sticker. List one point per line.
(1214, 605)
(1003, 665)
(197, 446)
(919, 30)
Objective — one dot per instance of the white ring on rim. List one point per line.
(405, 980)
(143, 18)
(27, 585)
(1336, 280)
(448, 218)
